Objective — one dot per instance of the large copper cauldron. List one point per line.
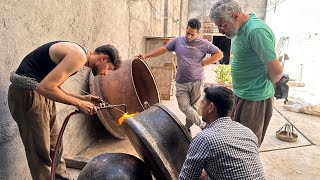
(132, 84)
(160, 140)
(112, 166)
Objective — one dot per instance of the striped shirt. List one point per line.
(225, 150)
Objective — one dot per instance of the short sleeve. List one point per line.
(171, 45)
(262, 42)
(212, 49)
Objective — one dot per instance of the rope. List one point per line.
(58, 144)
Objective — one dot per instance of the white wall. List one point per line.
(300, 20)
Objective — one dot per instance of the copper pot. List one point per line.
(160, 140)
(115, 166)
(132, 84)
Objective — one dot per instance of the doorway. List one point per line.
(224, 44)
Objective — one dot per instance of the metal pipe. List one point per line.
(166, 16)
(109, 106)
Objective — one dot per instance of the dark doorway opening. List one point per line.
(224, 44)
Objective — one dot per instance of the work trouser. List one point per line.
(188, 97)
(36, 119)
(255, 115)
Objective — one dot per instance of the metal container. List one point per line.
(115, 166)
(132, 84)
(160, 140)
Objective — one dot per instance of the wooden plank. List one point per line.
(295, 84)
(76, 162)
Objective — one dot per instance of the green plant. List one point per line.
(223, 73)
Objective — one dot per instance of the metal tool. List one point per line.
(102, 105)
(286, 133)
(105, 105)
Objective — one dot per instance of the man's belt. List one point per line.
(23, 81)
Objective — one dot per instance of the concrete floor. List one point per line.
(281, 160)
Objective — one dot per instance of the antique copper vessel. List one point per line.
(115, 166)
(160, 140)
(132, 84)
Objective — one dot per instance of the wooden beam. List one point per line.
(76, 162)
(295, 84)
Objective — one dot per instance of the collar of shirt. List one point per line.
(219, 120)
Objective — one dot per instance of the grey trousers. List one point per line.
(188, 97)
(255, 115)
(38, 127)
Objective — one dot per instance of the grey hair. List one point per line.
(224, 9)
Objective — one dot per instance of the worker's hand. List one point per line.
(87, 108)
(93, 99)
(202, 63)
(203, 175)
(141, 56)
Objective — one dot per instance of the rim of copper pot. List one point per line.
(106, 115)
(154, 80)
(158, 160)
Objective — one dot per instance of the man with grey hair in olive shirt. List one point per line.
(254, 66)
(190, 51)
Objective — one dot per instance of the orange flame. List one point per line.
(124, 116)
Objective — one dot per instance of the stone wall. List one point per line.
(27, 24)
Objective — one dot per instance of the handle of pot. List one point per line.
(146, 105)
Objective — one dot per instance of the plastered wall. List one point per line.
(299, 21)
(201, 9)
(27, 24)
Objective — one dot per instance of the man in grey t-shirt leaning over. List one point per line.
(190, 51)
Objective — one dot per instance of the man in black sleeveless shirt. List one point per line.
(36, 85)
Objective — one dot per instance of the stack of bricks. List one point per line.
(209, 29)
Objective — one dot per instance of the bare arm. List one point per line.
(72, 60)
(275, 70)
(154, 53)
(88, 97)
(214, 58)
(203, 175)
(50, 85)
(71, 94)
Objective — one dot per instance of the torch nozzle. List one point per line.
(109, 106)
(105, 105)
